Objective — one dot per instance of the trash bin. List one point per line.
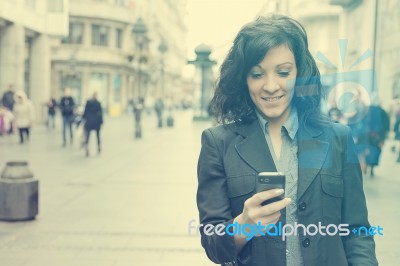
(19, 192)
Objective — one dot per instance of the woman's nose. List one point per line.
(270, 85)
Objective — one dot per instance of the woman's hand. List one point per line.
(254, 212)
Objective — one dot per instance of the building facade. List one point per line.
(388, 50)
(101, 52)
(28, 29)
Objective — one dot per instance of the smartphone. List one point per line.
(270, 180)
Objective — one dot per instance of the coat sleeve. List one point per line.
(213, 202)
(359, 248)
(85, 112)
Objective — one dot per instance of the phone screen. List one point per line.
(270, 180)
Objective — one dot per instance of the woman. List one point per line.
(51, 112)
(23, 115)
(268, 99)
(93, 116)
(378, 128)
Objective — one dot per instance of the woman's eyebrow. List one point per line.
(258, 66)
(286, 63)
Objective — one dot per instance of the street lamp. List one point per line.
(163, 48)
(204, 63)
(139, 31)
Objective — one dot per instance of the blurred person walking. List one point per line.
(67, 106)
(93, 117)
(378, 128)
(159, 108)
(51, 112)
(396, 130)
(358, 122)
(8, 102)
(23, 115)
(336, 115)
(6, 118)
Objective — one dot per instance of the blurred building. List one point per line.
(321, 21)
(375, 25)
(388, 50)
(165, 19)
(28, 29)
(100, 53)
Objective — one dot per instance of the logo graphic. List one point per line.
(282, 230)
(349, 91)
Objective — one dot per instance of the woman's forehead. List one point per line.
(280, 55)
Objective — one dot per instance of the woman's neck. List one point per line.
(277, 123)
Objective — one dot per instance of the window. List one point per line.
(118, 40)
(75, 34)
(99, 35)
(55, 5)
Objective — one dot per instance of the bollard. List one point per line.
(19, 195)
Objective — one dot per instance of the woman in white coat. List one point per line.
(23, 115)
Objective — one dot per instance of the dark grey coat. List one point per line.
(330, 191)
(93, 115)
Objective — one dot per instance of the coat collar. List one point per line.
(312, 151)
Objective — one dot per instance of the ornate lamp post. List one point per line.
(163, 48)
(139, 31)
(204, 63)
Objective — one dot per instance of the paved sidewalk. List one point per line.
(131, 205)
(128, 206)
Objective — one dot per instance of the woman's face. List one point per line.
(271, 83)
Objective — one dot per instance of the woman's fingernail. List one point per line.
(288, 200)
(279, 191)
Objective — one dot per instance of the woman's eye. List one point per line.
(283, 73)
(256, 75)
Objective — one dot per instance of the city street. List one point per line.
(131, 204)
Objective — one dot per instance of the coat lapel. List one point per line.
(253, 149)
(312, 152)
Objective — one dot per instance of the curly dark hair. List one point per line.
(232, 102)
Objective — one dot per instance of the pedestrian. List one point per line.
(396, 130)
(24, 115)
(268, 100)
(336, 115)
(378, 128)
(6, 118)
(51, 112)
(93, 117)
(159, 108)
(137, 113)
(8, 102)
(67, 106)
(359, 124)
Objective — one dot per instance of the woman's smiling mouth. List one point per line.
(272, 99)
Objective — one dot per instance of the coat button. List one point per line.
(302, 206)
(306, 242)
